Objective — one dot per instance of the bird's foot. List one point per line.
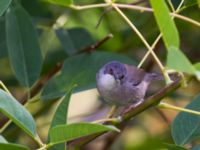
(114, 120)
(132, 106)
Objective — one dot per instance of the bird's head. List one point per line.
(111, 75)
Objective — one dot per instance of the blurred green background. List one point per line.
(148, 128)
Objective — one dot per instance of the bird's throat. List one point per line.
(107, 82)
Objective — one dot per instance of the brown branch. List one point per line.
(43, 80)
(126, 116)
(91, 48)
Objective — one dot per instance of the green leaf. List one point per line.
(186, 127)
(2, 139)
(63, 133)
(3, 48)
(48, 42)
(9, 146)
(79, 70)
(186, 4)
(4, 4)
(178, 61)
(60, 117)
(197, 67)
(165, 23)
(61, 2)
(196, 147)
(189, 3)
(74, 39)
(23, 46)
(11, 108)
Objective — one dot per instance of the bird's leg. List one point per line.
(111, 112)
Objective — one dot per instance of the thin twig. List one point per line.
(101, 5)
(158, 38)
(135, 7)
(165, 74)
(146, 9)
(91, 48)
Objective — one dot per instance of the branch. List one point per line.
(134, 7)
(90, 48)
(126, 116)
(152, 100)
(147, 9)
(43, 80)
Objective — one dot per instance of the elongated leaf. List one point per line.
(165, 23)
(74, 39)
(80, 70)
(2, 139)
(186, 127)
(61, 2)
(48, 41)
(197, 67)
(10, 107)
(196, 147)
(60, 117)
(63, 133)
(9, 146)
(189, 3)
(23, 46)
(4, 5)
(178, 61)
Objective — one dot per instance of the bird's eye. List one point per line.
(135, 83)
(110, 71)
(122, 77)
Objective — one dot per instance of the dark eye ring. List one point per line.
(135, 83)
(111, 71)
(122, 77)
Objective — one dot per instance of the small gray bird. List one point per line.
(121, 84)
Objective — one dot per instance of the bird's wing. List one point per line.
(135, 75)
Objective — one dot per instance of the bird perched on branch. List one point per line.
(122, 84)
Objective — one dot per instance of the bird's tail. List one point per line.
(154, 76)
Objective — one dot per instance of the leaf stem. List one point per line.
(114, 120)
(101, 5)
(186, 19)
(169, 106)
(146, 9)
(148, 52)
(134, 7)
(39, 141)
(5, 126)
(4, 87)
(171, 5)
(111, 112)
(158, 38)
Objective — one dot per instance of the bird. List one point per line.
(122, 84)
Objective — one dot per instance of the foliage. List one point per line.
(51, 49)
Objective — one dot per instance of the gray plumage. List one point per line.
(122, 84)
